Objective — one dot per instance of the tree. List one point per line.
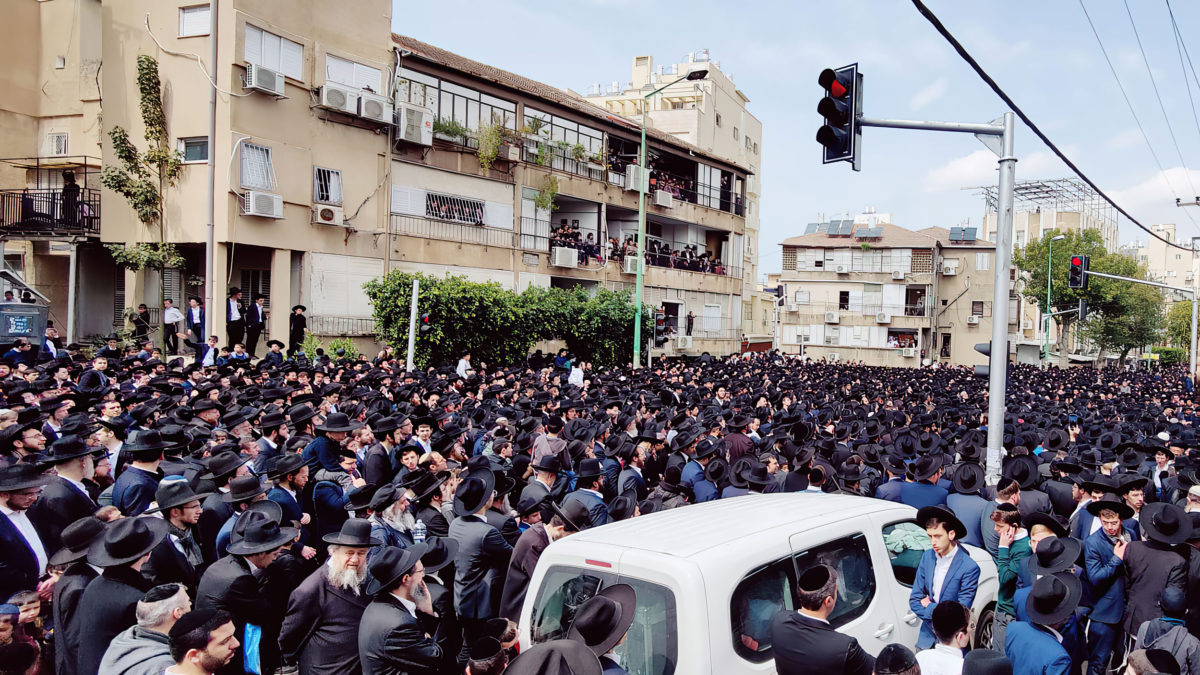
(1132, 319)
(1179, 325)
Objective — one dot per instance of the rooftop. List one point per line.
(889, 236)
(546, 92)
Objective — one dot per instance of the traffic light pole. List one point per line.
(1181, 289)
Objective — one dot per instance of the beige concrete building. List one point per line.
(886, 295)
(1163, 262)
(1031, 225)
(712, 114)
(328, 173)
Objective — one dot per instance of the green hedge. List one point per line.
(1170, 356)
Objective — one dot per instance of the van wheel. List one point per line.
(983, 629)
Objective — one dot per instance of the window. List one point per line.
(983, 262)
(559, 129)
(257, 170)
(756, 147)
(749, 143)
(906, 541)
(257, 282)
(452, 101)
(271, 51)
(843, 300)
(56, 144)
(855, 576)
(353, 75)
(718, 119)
(194, 21)
(327, 185)
(754, 603)
(735, 133)
(457, 209)
(60, 62)
(194, 149)
(976, 308)
(803, 297)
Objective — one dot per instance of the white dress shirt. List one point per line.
(234, 314)
(940, 568)
(408, 604)
(20, 520)
(941, 660)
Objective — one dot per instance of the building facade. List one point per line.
(1165, 263)
(712, 114)
(886, 295)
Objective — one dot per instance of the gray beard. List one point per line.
(346, 578)
(404, 521)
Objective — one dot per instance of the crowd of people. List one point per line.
(658, 253)
(344, 516)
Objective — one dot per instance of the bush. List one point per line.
(1170, 356)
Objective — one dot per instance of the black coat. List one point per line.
(228, 584)
(106, 608)
(393, 642)
(168, 565)
(479, 567)
(376, 466)
(1034, 501)
(214, 514)
(1151, 568)
(507, 525)
(18, 564)
(59, 505)
(1060, 497)
(449, 631)
(320, 628)
(803, 645)
(67, 593)
(520, 569)
(435, 521)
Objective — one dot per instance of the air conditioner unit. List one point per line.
(374, 107)
(339, 98)
(898, 275)
(264, 79)
(634, 176)
(791, 308)
(562, 256)
(831, 317)
(509, 153)
(834, 357)
(883, 317)
(326, 214)
(843, 269)
(683, 341)
(908, 352)
(831, 340)
(1026, 325)
(973, 320)
(414, 124)
(664, 199)
(263, 204)
(630, 265)
(950, 268)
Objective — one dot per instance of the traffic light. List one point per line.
(840, 135)
(1082, 310)
(1077, 276)
(425, 326)
(660, 329)
(984, 348)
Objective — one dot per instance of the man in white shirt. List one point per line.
(464, 368)
(23, 557)
(950, 626)
(171, 318)
(235, 319)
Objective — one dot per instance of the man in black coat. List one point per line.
(178, 558)
(76, 539)
(393, 638)
(428, 495)
(482, 555)
(214, 510)
(22, 555)
(108, 603)
(1155, 564)
(439, 555)
(65, 498)
(256, 318)
(804, 642)
(529, 549)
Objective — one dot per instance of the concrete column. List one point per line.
(220, 286)
(281, 293)
(133, 295)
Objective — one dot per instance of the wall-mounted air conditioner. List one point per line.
(908, 352)
(264, 79)
(262, 204)
(973, 320)
(562, 256)
(414, 124)
(664, 199)
(831, 317)
(374, 107)
(326, 214)
(340, 98)
(883, 317)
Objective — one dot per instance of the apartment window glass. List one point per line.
(327, 185)
(749, 143)
(194, 21)
(976, 308)
(718, 119)
(353, 75)
(274, 52)
(450, 101)
(735, 133)
(56, 144)
(983, 262)
(257, 171)
(194, 149)
(556, 128)
(456, 209)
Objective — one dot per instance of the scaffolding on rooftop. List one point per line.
(1058, 194)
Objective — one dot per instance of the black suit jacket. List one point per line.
(106, 608)
(254, 315)
(92, 382)
(18, 564)
(1151, 568)
(1060, 497)
(507, 525)
(168, 565)
(803, 645)
(479, 567)
(1034, 501)
(435, 521)
(60, 505)
(67, 593)
(520, 569)
(228, 584)
(320, 629)
(393, 642)
(214, 514)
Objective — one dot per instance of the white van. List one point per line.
(710, 577)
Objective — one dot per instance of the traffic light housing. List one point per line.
(1083, 309)
(840, 135)
(984, 348)
(425, 326)
(660, 328)
(1077, 276)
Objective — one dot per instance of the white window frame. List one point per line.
(983, 262)
(257, 177)
(353, 74)
(182, 147)
(274, 52)
(332, 179)
(187, 15)
(52, 143)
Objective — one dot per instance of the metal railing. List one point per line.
(345, 326)
(864, 309)
(425, 228)
(49, 212)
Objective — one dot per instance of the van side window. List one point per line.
(851, 557)
(905, 542)
(562, 592)
(755, 602)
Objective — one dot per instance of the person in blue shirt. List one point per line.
(1104, 556)
(965, 502)
(134, 489)
(1036, 646)
(945, 562)
(890, 489)
(21, 352)
(924, 490)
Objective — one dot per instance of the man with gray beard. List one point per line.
(320, 629)
(391, 521)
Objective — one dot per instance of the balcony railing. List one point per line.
(345, 326)
(49, 213)
(425, 228)
(863, 309)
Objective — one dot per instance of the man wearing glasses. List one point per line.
(22, 555)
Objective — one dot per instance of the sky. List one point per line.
(1042, 53)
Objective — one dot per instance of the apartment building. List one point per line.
(1164, 262)
(886, 295)
(328, 170)
(712, 114)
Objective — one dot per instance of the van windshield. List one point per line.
(650, 647)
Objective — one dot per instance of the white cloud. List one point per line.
(1124, 139)
(979, 168)
(1153, 194)
(929, 94)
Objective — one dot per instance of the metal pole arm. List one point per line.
(962, 127)
(1181, 289)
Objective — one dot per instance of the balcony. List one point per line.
(855, 310)
(45, 213)
(426, 228)
(341, 326)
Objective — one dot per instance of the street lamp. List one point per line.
(641, 235)
(1049, 280)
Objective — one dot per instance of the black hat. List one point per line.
(191, 621)
(1047, 520)
(482, 649)
(968, 478)
(556, 657)
(474, 492)
(337, 422)
(360, 498)
(300, 413)
(77, 538)
(951, 521)
(602, 621)
(424, 483)
(259, 535)
(574, 513)
(244, 488)
(1053, 598)
(590, 468)
(126, 540)
(442, 551)
(1054, 555)
(355, 532)
(1111, 501)
(1163, 661)
(621, 507)
(894, 659)
(64, 450)
(270, 343)
(926, 466)
(1165, 523)
(174, 493)
(385, 496)
(390, 564)
(21, 476)
(529, 505)
(1023, 469)
(223, 464)
(986, 662)
(302, 308)
(284, 465)
(547, 463)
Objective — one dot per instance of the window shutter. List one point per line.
(408, 201)
(194, 20)
(499, 215)
(339, 70)
(254, 40)
(291, 59)
(270, 50)
(366, 76)
(119, 297)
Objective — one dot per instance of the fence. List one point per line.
(347, 326)
(426, 228)
(47, 212)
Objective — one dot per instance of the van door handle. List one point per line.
(911, 619)
(884, 631)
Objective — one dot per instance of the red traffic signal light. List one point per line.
(425, 326)
(840, 107)
(1076, 260)
(1077, 276)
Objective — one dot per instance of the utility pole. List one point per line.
(210, 272)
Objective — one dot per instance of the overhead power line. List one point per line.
(966, 56)
(1181, 47)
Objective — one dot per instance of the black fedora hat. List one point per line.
(244, 488)
(355, 532)
(574, 513)
(1113, 502)
(757, 476)
(21, 476)
(1165, 523)
(968, 478)
(338, 422)
(64, 450)
(622, 507)
(951, 521)
(425, 483)
(360, 498)
(390, 564)
(126, 540)
(603, 620)
(925, 466)
(1046, 520)
(442, 551)
(259, 534)
(556, 657)
(547, 462)
(986, 662)
(223, 464)
(77, 538)
(284, 465)
(1023, 469)
(1053, 598)
(474, 492)
(590, 468)
(174, 493)
(1054, 555)
(301, 413)
(271, 343)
